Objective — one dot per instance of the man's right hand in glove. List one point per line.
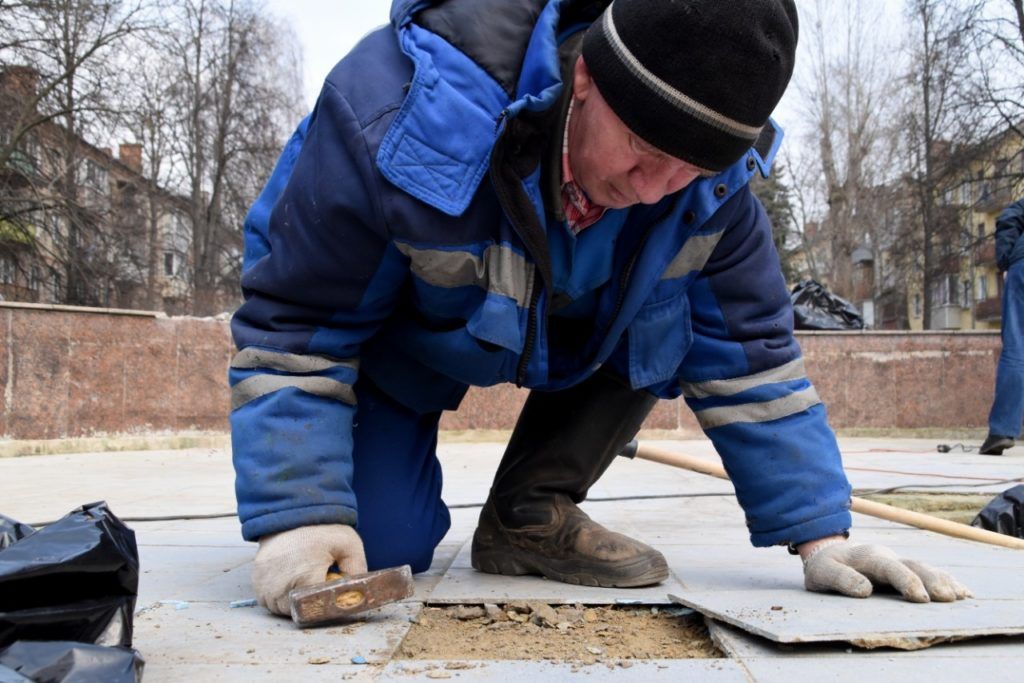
(301, 557)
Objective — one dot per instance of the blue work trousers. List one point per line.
(397, 481)
(1008, 407)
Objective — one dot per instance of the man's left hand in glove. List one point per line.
(835, 564)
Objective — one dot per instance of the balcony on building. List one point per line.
(989, 309)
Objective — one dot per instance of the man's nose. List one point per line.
(652, 180)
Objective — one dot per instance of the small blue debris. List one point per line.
(628, 601)
(251, 602)
(677, 611)
(358, 660)
(178, 604)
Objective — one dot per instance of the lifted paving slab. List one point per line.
(192, 569)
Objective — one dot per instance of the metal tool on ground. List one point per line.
(344, 596)
(916, 519)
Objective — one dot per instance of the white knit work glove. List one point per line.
(301, 557)
(851, 569)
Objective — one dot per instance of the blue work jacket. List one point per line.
(405, 234)
(1009, 228)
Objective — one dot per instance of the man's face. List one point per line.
(613, 165)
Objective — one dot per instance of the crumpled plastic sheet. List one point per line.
(67, 591)
(816, 308)
(68, 662)
(1005, 514)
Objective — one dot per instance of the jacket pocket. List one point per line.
(659, 337)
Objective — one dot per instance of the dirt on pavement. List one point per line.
(538, 631)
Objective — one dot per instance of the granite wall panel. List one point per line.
(71, 373)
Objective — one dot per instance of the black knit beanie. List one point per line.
(695, 78)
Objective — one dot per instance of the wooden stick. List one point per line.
(866, 507)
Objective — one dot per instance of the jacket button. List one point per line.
(689, 217)
(751, 163)
(720, 190)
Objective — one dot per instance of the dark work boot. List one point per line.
(995, 445)
(562, 443)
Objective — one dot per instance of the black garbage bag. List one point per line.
(1005, 514)
(68, 662)
(816, 308)
(76, 579)
(12, 531)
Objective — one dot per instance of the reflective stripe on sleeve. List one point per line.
(792, 370)
(764, 411)
(252, 388)
(255, 358)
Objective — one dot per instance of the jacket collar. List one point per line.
(449, 92)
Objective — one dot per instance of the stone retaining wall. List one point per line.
(69, 372)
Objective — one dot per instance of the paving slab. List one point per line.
(161, 672)
(741, 645)
(894, 668)
(641, 672)
(214, 634)
(797, 616)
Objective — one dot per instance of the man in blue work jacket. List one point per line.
(1007, 414)
(545, 192)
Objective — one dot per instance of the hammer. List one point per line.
(342, 596)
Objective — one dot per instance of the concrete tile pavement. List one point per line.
(203, 565)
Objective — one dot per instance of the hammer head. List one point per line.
(349, 595)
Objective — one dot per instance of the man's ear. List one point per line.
(582, 83)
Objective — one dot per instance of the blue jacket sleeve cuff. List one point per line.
(808, 531)
(285, 520)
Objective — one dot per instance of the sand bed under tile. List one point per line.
(577, 634)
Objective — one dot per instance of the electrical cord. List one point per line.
(946, 448)
(457, 506)
(892, 489)
(608, 499)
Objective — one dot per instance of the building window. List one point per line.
(56, 288)
(94, 175)
(981, 230)
(982, 288)
(6, 270)
(169, 263)
(917, 305)
(33, 278)
(967, 293)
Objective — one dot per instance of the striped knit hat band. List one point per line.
(697, 79)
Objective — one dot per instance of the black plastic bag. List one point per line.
(816, 308)
(1005, 514)
(66, 662)
(76, 579)
(12, 531)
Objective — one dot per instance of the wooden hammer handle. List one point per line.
(866, 507)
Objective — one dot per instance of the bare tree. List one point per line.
(237, 82)
(847, 102)
(939, 120)
(999, 44)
